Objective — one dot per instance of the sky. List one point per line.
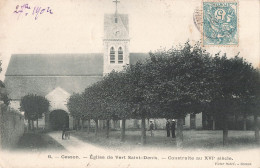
(76, 26)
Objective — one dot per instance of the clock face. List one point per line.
(116, 32)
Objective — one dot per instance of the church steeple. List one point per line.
(116, 17)
(116, 41)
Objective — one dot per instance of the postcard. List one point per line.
(129, 83)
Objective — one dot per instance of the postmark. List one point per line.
(197, 18)
(220, 23)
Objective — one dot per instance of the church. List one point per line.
(57, 76)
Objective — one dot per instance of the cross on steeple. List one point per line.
(116, 1)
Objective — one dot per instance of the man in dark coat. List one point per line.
(168, 127)
(173, 124)
(151, 127)
(64, 129)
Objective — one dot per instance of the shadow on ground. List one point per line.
(38, 142)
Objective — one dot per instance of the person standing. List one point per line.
(63, 130)
(168, 127)
(173, 124)
(151, 127)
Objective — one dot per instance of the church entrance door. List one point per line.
(58, 118)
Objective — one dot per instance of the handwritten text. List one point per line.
(35, 11)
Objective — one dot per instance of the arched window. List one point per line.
(120, 55)
(112, 55)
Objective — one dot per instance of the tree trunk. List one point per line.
(143, 132)
(113, 123)
(123, 131)
(29, 124)
(78, 124)
(225, 130)
(88, 126)
(96, 129)
(244, 121)
(37, 124)
(33, 125)
(256, 128)
(104, 124)
(236, 119)
(107, 129)
(179, 137)
(213, 123)
(82, 124)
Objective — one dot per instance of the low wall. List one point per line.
(11, 126)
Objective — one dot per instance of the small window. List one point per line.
(115, 19)
(112, 55)
(120, 55)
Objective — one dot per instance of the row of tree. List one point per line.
(171, 84)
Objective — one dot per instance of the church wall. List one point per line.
(41, 123)
(132, 124)
(160, 123)
(11, 128)
(199, 121)
(187, 122)
(15, 104)
(136, 123)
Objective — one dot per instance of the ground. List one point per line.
(193, 139)
(38, 142)
(201, 149)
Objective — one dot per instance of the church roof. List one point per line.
(19, 86)
(55, 64)
(41, 73)
(61, 64)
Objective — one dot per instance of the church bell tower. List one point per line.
(116, 41)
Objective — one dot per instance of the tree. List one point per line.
(251, 98)
(256, 104)
(230, 88)
(135, 93)
(113, 105)
(4, 94)
(180, 84)
(92, 104)
(76, 106)
(3, 91)
(120, 104)
(34, 106)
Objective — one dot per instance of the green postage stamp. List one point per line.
(220, 23)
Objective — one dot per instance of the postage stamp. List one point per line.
(220, 23)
